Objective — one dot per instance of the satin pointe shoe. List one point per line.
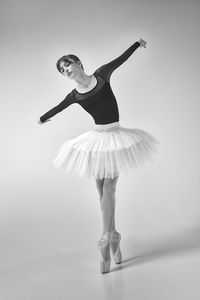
(104, 248)
(115, 247)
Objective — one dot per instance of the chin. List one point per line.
(71, 76)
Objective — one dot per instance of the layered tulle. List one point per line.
(106, 151)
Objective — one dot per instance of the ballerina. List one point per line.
(106, 150)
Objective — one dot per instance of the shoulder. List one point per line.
(102, 71)
(70, 96)
(68, 100)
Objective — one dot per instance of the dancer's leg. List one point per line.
(106, 190)
(108, 203)
(99, 184)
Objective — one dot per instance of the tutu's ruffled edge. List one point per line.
(100, 164)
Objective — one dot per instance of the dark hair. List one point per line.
(69, 58)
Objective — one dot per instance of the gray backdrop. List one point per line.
(157, 90)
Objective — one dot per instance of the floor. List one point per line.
(163, 268)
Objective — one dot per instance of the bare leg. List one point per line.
(100, 184)
(107, 188)
(108, 203)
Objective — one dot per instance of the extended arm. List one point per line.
(62, 105)
(107, 69)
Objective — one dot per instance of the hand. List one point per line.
(143, 43)
(44, 121)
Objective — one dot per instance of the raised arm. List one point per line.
(106, 70)
(62, 105)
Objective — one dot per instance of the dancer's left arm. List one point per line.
(107, 69)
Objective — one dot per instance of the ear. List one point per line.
(78, 62)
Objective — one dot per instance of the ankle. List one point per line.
(106, 233)
(114, 231)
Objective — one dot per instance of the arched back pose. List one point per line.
(108, 148)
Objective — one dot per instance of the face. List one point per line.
(69, 68)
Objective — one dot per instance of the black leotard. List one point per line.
(99, 102)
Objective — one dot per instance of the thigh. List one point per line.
(111, 182)
(99, 183)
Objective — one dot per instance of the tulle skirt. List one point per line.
(106, 151)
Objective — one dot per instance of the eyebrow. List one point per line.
(68, 61)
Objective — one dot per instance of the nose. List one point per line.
(66, 69)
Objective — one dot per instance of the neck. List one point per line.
(83, 80)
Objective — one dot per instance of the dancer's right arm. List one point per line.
(52, 112)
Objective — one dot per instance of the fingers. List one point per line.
(44, 121)
(143, 43)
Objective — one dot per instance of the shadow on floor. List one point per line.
(163, 246)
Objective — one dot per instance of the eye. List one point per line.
(67, 63)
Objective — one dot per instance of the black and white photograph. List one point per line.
(100, 148)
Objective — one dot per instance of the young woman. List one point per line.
(108, 148)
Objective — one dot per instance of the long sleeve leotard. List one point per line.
(99, 102)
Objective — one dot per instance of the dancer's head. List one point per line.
(68, 65)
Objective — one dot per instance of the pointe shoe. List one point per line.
(104, 248)
(115, 248)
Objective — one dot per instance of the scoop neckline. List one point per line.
(91, 89)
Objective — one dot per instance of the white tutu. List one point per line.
(105, 151)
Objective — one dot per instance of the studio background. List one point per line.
(43, 210)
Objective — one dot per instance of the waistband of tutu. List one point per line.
(107, 126)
